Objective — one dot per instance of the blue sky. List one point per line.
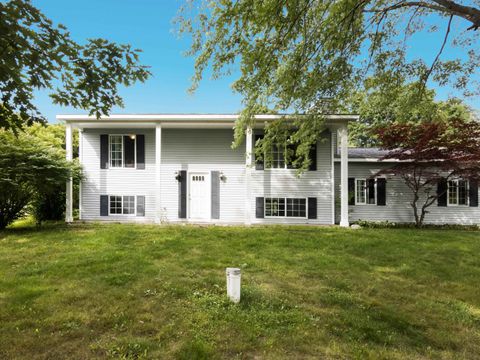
(147, 24)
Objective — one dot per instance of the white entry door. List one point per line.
(199, 196)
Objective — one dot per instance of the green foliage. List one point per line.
(307, 292)
(392, 225)
(385, 104)
(51, 206)
(305, 57)
(36, 54)
(29, 170)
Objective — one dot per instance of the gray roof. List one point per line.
(364, 153)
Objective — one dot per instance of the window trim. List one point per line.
(284, 216)
(123, 152)
(467, 191)
(366, 192)
(122, 214)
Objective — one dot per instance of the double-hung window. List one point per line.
(286, 207)
(122, 151)
(278, 157)
(457, 192)
(116, 151)
(122, 205)
(365, 191)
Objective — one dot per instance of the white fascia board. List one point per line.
(190, 118)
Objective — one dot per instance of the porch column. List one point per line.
(80, 156)
(69, 190)
(158, 161)
(248, 175)
(343, 138)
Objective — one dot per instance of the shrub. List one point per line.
(30, 170)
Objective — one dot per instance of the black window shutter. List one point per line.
(129, 151)
(313, 158)
(215, 207)
(259, 208)
(312, 208)
(381, 192)
(259, 163)
(473, 193)
(182, 195)
(140, 205)
(351, 191)
(442, 192)
(103, 151)
(103, 205)
(293, 149)
(140, 151)
(371, 191)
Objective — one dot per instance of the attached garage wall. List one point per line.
(398, 197)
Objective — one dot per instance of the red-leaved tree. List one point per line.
(428, 153)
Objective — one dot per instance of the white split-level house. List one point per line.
(182, 168)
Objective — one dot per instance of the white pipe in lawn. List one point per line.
(233, 284)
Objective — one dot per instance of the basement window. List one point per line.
(286, 207)
(122, 205)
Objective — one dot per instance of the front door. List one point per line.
(199, 195)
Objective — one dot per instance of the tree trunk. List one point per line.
(418, 219)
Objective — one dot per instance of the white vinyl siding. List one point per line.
(399, 196)
(199, 150)
(275, 183)
(117, 181)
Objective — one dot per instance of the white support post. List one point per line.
(333, 150)
(80, 157)
(158, 161)
(69, 190)
(248, 175)
(343, 135)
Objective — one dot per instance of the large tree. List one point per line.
(36, 54)
(430, 153)
(303, 56)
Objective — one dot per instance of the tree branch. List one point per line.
(449, 7)
(407, 4)
(429, 72)
(467, 12)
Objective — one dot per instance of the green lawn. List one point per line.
(126, 291)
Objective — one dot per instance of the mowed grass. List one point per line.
(132, 292)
